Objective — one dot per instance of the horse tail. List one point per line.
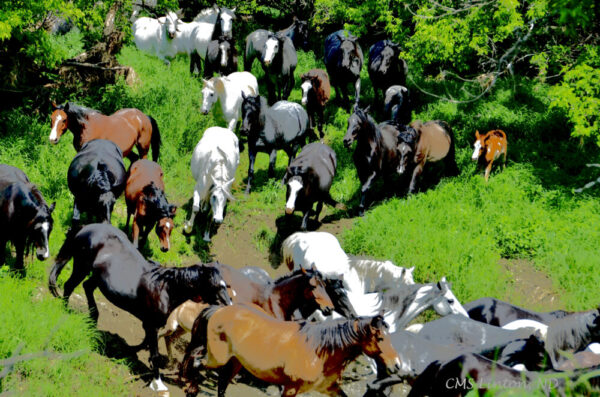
(155, 139)
(198, 343)
(64, 255)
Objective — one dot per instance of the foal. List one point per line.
(491, 145)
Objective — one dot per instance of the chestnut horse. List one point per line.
(126, 127)
(299, 356)
(493, 144)
(303, 290)
(145, 198)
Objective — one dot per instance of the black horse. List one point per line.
(298, 33)
(385, 67)
(25, 217)
(397, 104)
(221, 57)
(375, 152)
(145, 289)
(343, 60)
(496, 312)
(96, 178)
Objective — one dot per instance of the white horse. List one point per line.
(360, 275)
(228, 90)
(215, 159)
(156, 36)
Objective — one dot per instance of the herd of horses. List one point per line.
(301, 330)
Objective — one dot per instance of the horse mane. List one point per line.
(572, 332)
(80, 113)
(207, 14)
(402, 293)
(293, 274)
(184, 275)
(330, 336)
(156, 196)
(367, 117)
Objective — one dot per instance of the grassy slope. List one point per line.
(460, 228)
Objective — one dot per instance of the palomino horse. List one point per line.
(145, 289)
(25, 217)
(420, 143)
(375, 152)
(301, 290)
(126, 127)
(299, 356)
(491, 145)
(146, 200)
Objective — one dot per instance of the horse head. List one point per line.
(448, 303)
(225, 50)
(307, 87)
(407, 142)
(301, 31)
(40, 229)
(219, 195)
(214, 291)
(317, 290)
(58, 122)
(357, 121)
(293, 179)
(227, 16)
(159, 209)
(272, 47)
(378, 344)
(251, 110)
(210, 93)
(386, 58)
(170, 22)
(351, 58)
(478, 146)
(164, 227)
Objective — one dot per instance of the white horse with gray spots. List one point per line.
(214, 161)
(228, 91)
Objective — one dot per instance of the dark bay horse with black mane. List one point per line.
(25, 217)
(375, 152)
(126, 127)
(145, 289)
(96, 177)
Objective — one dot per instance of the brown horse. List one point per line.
(299, 356)
(301, 289)
(493, 144)
(126, 127)
(145, 198)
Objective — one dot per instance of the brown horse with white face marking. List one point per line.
(146, 200)
(126, 127)
(299, 356)
(489, 147)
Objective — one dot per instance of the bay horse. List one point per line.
(25, 217)
(499, 313)
(315, 94)
(302, 289)
(299, 356)
(145, 289)
(96, 177)
(126, 127)
(425, 142)
(146, 200)
(488, 147)
(375, 152)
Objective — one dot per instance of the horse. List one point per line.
(308, 178)
(362, 275)
(315, 94)
(376, 150)
(96, 177)
(25, 217)
(298, 33)
(488, 147)
(386, 67)
(343, 61)
(145, 289)
(281, 126)
(228, 91)
(397, 104)
(280, 298)
(213, 164)
(155, 36)
(299, 356)
(419, 143)
(126, 127)
(146, 200)
(496, 312)
(221, 57)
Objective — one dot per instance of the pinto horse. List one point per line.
(422, 142)
(488, 147)
(126, 127)
(375, 152)
(146, 200)
(25, 217)
(145, 289)
(303, 289)
(299, 356)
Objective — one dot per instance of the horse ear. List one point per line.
(52, 206)
(54, 105)
(477, 134)
(233, 9)
(367, 109)
(244, 95)
(303, 270)
(67, 107)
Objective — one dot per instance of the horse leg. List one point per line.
(226, 374)
(318, 210)
(19, 244)
(271, 90)
(145, 230)
(357, 91)
(305, 220)
(135, 233)
(320, 123)
(189, 224)
(79, 274)
(488, 169)
(251, 158)
(207, 231)
(129, 213)
(152, 341)
(89, 286)
(363, 193)
(272, 159)
(413, 182)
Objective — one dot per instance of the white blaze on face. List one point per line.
(45, 228)
(54, 132)
(477, 147)
(271, 48)
(306, 86)
(209, 97)
(294, 185)
(171, 24)
(226, 24)
(218, 205)
(223, 54)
